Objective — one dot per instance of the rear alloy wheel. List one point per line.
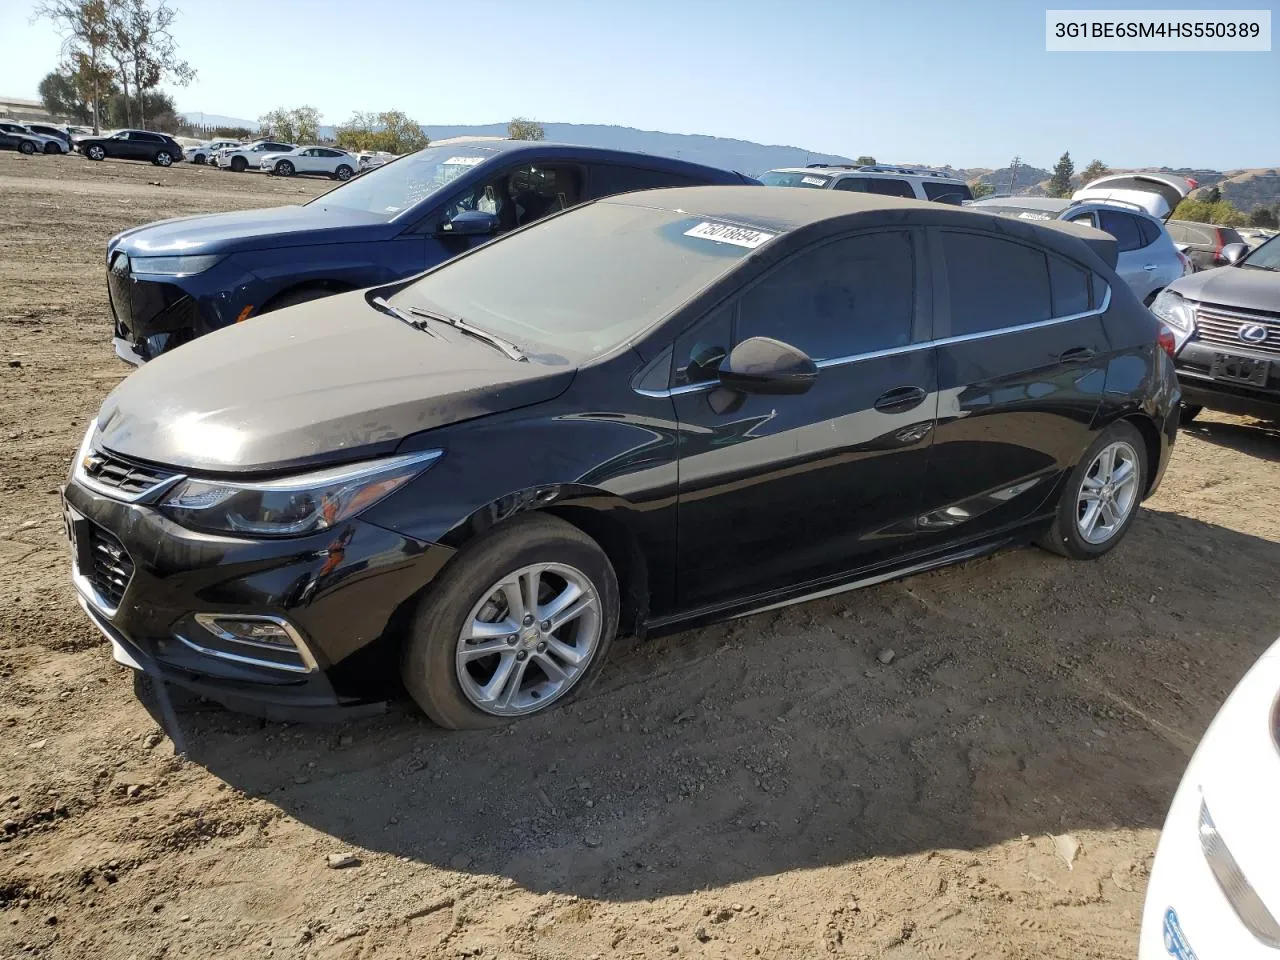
(284, 169)
(238, 164)
(1101, 496)
(343, 172)
(51, 148)
(27, 147)
(198, 159)
(521, 619)
(1189, 412)
(163, 159)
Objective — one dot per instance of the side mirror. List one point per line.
(471, 223)
(1233, 253)
(765, 366)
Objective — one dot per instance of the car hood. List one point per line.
(329, 381)
(1233, 287)
(1156, 193)
(252, 230)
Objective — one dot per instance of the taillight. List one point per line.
(1168, 342)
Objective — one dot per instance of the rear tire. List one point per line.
(284, 169)
(432, 662)
(28, 148)
(1189, 412)
(238, 164)
(198, 159)
(343, 172)
(1097, 491)
(163, 158)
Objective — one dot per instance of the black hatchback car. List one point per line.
(158, 148)
(643, 413)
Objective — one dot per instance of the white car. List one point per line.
(239, 158)
(374, 158)
(48, 144)
(323, 160)
(201, 152)
(1214, 892)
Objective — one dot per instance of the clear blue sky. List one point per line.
(966, 83)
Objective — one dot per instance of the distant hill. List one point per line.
(1028, 182)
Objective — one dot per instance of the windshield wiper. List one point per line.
(471, 330)
(381, 304)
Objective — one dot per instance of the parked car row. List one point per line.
(25, 139)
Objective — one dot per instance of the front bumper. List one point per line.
(339, 591)
(1199, 386)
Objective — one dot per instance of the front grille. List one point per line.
(130, 479)
(1221, 327)
(109, 566)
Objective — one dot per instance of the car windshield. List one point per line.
(395, 187)
(1265, 257)
(558, 289)
(780, 178)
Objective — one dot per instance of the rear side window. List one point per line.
(1227, 235)
(947, 192)
(994, 283)
(1070, 287)
(608, 179)
(1150, 232)
(1123, 227)
(845, 297)
(884, 186)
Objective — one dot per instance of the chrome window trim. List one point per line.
(208, 622)
(909, 348)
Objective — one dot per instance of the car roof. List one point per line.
(571, 151)
(830, 211)
(848, 170)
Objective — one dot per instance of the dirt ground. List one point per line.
(765, 787)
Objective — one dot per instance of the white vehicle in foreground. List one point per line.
(1214, 892)
(240, 158)
(201, 152)
(300, 160)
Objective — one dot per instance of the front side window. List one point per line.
(994, 283)
(521, 196)
(610, 178)
(558, 289)
(1124, 227)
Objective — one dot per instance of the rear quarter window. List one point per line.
(947, 192)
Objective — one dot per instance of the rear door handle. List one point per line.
(1148, 266)
(1076, 355)
(901, 399)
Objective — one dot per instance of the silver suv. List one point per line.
(916, 183)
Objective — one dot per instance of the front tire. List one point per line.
(238, 164)
(343, 172)
(521, 619)
(284, 169)
(198, 159)
(96, 153)
(1101, 496)
(28, 148)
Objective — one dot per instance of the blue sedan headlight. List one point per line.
(174, 266)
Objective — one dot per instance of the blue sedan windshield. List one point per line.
(399, 185)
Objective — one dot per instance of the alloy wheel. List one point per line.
(529, 639)
(1108, 493)
(163, 159)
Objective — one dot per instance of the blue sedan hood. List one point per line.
(253, 230)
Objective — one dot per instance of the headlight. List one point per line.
(1177, 313)
(291, 506)
(174, 266)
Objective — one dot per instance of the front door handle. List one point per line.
(1076, 355)
(901, 399)
(1148, 267)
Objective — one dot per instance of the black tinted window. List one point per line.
(884, 186)
(1227, 235)
(1122, 226)
(947, 192)
(608, 179)
(1150, 232)
(1070, 286)
(994, 283)
(844, 297)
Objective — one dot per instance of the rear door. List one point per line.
(1021, 361)
(778, 491)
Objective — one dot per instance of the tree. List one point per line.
(119, 110)
(1222, 213)
(299, 125)
(522, 128)
(1264, 217)
(981, 189)
(865, 161)
(1212, 195)
(141, 44)
(60, 95)
(1060, 182)
(85, 35)
(391, 130)
(1093, 171)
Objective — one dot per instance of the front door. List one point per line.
(1022, 356)
(778, 491)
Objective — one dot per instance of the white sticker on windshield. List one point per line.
(465, 161)
(815, 181)
(728, 233)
